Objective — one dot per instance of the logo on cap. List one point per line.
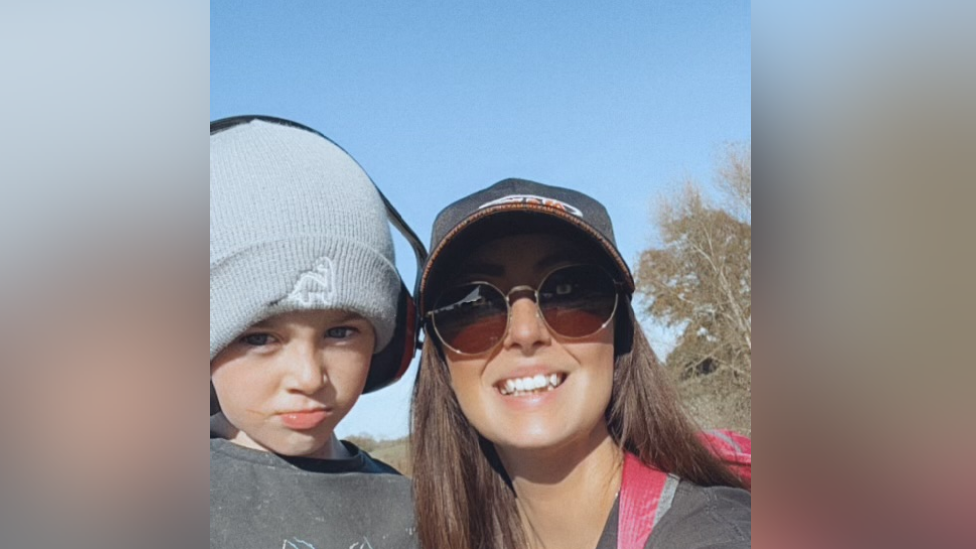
(315, 288)
(532, 200)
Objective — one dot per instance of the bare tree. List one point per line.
(700, 280)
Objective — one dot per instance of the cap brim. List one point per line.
(508, 219)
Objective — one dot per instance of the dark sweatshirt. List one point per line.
(260, 500)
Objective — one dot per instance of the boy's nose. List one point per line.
(307, 372)
(526, 327)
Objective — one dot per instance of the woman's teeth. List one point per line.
(530, 385)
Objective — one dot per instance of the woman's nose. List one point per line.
(526, 328)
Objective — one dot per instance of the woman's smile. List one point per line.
(530, 385)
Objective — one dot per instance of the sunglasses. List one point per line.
(575, 302)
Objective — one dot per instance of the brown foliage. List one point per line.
(700, 280)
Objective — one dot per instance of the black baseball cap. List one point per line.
(515, 203)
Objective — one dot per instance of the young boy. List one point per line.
(303, 295)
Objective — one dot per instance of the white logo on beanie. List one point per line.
(535, 201)
(315, 288)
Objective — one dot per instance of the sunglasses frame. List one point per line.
(525, 289)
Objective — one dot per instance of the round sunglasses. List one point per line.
(574, 301)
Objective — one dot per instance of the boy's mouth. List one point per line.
(530, 385)
(304, 421)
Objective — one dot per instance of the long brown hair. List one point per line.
(463, 495)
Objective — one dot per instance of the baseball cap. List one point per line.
(520, 203)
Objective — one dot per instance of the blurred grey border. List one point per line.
(103, 207)
(864, 149)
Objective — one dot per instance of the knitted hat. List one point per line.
(295, 224)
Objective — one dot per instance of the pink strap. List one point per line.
(644, 489)
(640, 498)
(734, 449)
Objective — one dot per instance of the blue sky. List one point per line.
(437, 99)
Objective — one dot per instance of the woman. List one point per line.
(541, 418)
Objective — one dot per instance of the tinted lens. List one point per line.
(578, 301)
(471, 319)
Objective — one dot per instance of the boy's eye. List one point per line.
(341, 332)
(256, 340)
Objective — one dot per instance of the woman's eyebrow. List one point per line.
(495, 270)
(554, 259)
(481, 269)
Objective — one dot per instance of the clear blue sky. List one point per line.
(436, 99)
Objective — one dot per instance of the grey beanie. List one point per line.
(295, 224)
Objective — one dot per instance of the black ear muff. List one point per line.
(391, 363)
(626, 323)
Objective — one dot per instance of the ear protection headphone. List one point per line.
(389, 365)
